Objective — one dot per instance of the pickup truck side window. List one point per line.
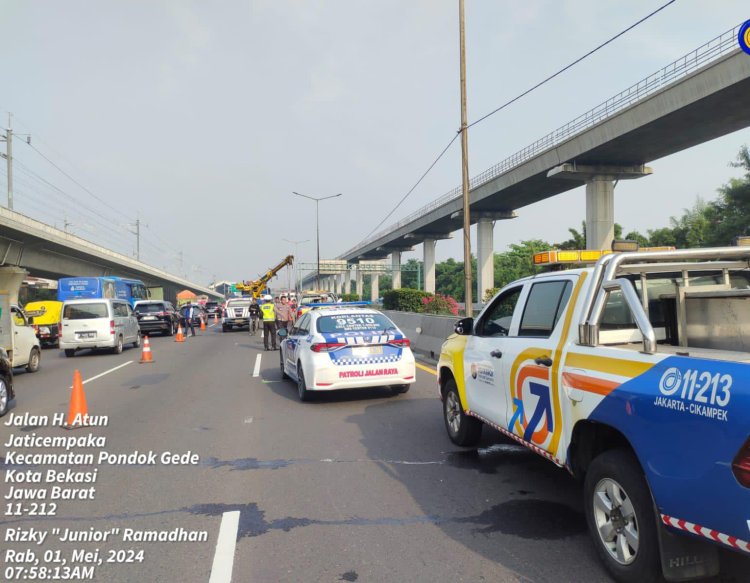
(544, 306)
(496, 321)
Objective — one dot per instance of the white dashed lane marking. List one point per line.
(221, 570)
(256, 370)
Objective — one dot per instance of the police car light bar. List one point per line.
(336, 305)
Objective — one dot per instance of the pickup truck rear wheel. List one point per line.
(462, 429)
(620, 517)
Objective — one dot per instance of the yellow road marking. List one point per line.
(426, 368)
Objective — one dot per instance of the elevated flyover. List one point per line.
(699, 97)
(48, 252)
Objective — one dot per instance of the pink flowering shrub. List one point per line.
(440, 304)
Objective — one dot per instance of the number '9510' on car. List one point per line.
(343, 348)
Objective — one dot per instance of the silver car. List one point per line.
(98, 323)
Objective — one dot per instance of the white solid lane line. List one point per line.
(256, 370)
(105, 372)
(221, 570)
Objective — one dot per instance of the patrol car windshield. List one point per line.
(353, 323)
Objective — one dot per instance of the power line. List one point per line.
(506, 104)
(105, 203)
(566, 67)
(417, 183)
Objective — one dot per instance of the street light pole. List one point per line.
(317, 227)
(296, 259)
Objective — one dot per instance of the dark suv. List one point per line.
(6, 382)
(156, 316)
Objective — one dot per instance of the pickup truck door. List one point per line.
(484, 355)
(529, 367)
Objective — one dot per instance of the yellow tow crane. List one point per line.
(255, 288)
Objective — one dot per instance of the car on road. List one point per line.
(98, 323)
(6, 382)
(156, 316)
(236, 314)
(311, 298)
(25, 349)
(341, 347)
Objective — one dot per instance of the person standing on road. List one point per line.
(189, 319)
(254, 313)
(284, 314)
(269, 324)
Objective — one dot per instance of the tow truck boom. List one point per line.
(255, 288)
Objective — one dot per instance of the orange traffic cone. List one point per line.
(203, 325)
(180, 336)
(146, 356)
(78, 411)
(216, 318)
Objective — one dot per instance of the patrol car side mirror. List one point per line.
(282, 332)
(464, 326)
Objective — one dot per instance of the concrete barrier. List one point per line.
(425, 331)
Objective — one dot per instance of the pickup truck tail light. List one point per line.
(741, 465)
(403, 342)
(326, 346)
(112, 327)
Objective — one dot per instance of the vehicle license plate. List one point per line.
(149, 317)
(366, 350)
(86, 334)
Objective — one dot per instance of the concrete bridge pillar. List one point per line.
(360, 282)
(374, 286)
(396, 273)
(347, 282)
(429, 265)
(600, 196)
(600, 212)
(485, 257)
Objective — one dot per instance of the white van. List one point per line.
(100, 323)
(25, 349)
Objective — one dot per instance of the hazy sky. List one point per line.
(201, 118)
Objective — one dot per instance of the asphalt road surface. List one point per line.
(353, 486)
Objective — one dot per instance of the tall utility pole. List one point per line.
(469, 309)
(9, 159)
(137, 234)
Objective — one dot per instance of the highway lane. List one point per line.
(354, 486)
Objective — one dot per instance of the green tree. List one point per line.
(729, 215)
(518, 261)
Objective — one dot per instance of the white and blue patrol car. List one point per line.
(344, 347)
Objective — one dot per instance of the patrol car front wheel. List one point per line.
(620, 517)
(462, 429)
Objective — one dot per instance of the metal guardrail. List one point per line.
(682, 67)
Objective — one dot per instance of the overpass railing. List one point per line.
(682, 67)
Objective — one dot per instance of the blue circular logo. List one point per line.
(743, 37)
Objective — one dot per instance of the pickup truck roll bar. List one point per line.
(603, 281)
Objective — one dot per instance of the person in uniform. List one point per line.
(269, 324)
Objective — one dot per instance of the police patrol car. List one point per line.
(345, 346)
(635, 376)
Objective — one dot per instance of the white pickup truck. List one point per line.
(634, 375)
